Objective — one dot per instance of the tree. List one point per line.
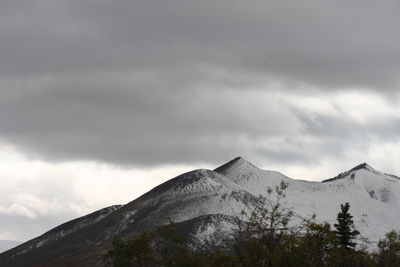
(389, 250)
(162, 247)
(315, 244)
(345, 229)
(136, 252)
(262, 234)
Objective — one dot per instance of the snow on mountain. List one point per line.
(192, 194)
(205, 203)
(199, 192)
(374, 196)
(7, 244)
(249, 177)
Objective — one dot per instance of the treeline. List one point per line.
(262, 238)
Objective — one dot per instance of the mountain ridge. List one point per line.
(206, 201)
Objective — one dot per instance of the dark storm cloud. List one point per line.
(329, 43)
(154, 82)
(132, 125)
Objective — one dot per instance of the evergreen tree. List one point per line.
(345, 230)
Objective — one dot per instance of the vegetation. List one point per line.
(345, 230)
(262, 238)
(389, 250)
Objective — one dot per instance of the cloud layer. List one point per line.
(147, 82)
(325, 43)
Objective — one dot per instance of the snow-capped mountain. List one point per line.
(205, 202)
(374, 196)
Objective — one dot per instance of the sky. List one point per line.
(100, 101)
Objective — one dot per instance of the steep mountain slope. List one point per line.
(205, 203)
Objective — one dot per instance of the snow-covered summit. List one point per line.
(246, 174)
(238, 164)
(364, 167)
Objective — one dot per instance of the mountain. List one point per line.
(8, 244)
(205, 203)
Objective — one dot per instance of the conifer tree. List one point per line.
(345, 230)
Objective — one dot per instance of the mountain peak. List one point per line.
(233, 164)
(362, 166)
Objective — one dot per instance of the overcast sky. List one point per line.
(102, 100)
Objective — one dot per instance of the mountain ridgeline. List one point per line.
(205, 203)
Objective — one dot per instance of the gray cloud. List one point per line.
(131, 125)
(326, 43)
(156, 82)
(30, 207)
